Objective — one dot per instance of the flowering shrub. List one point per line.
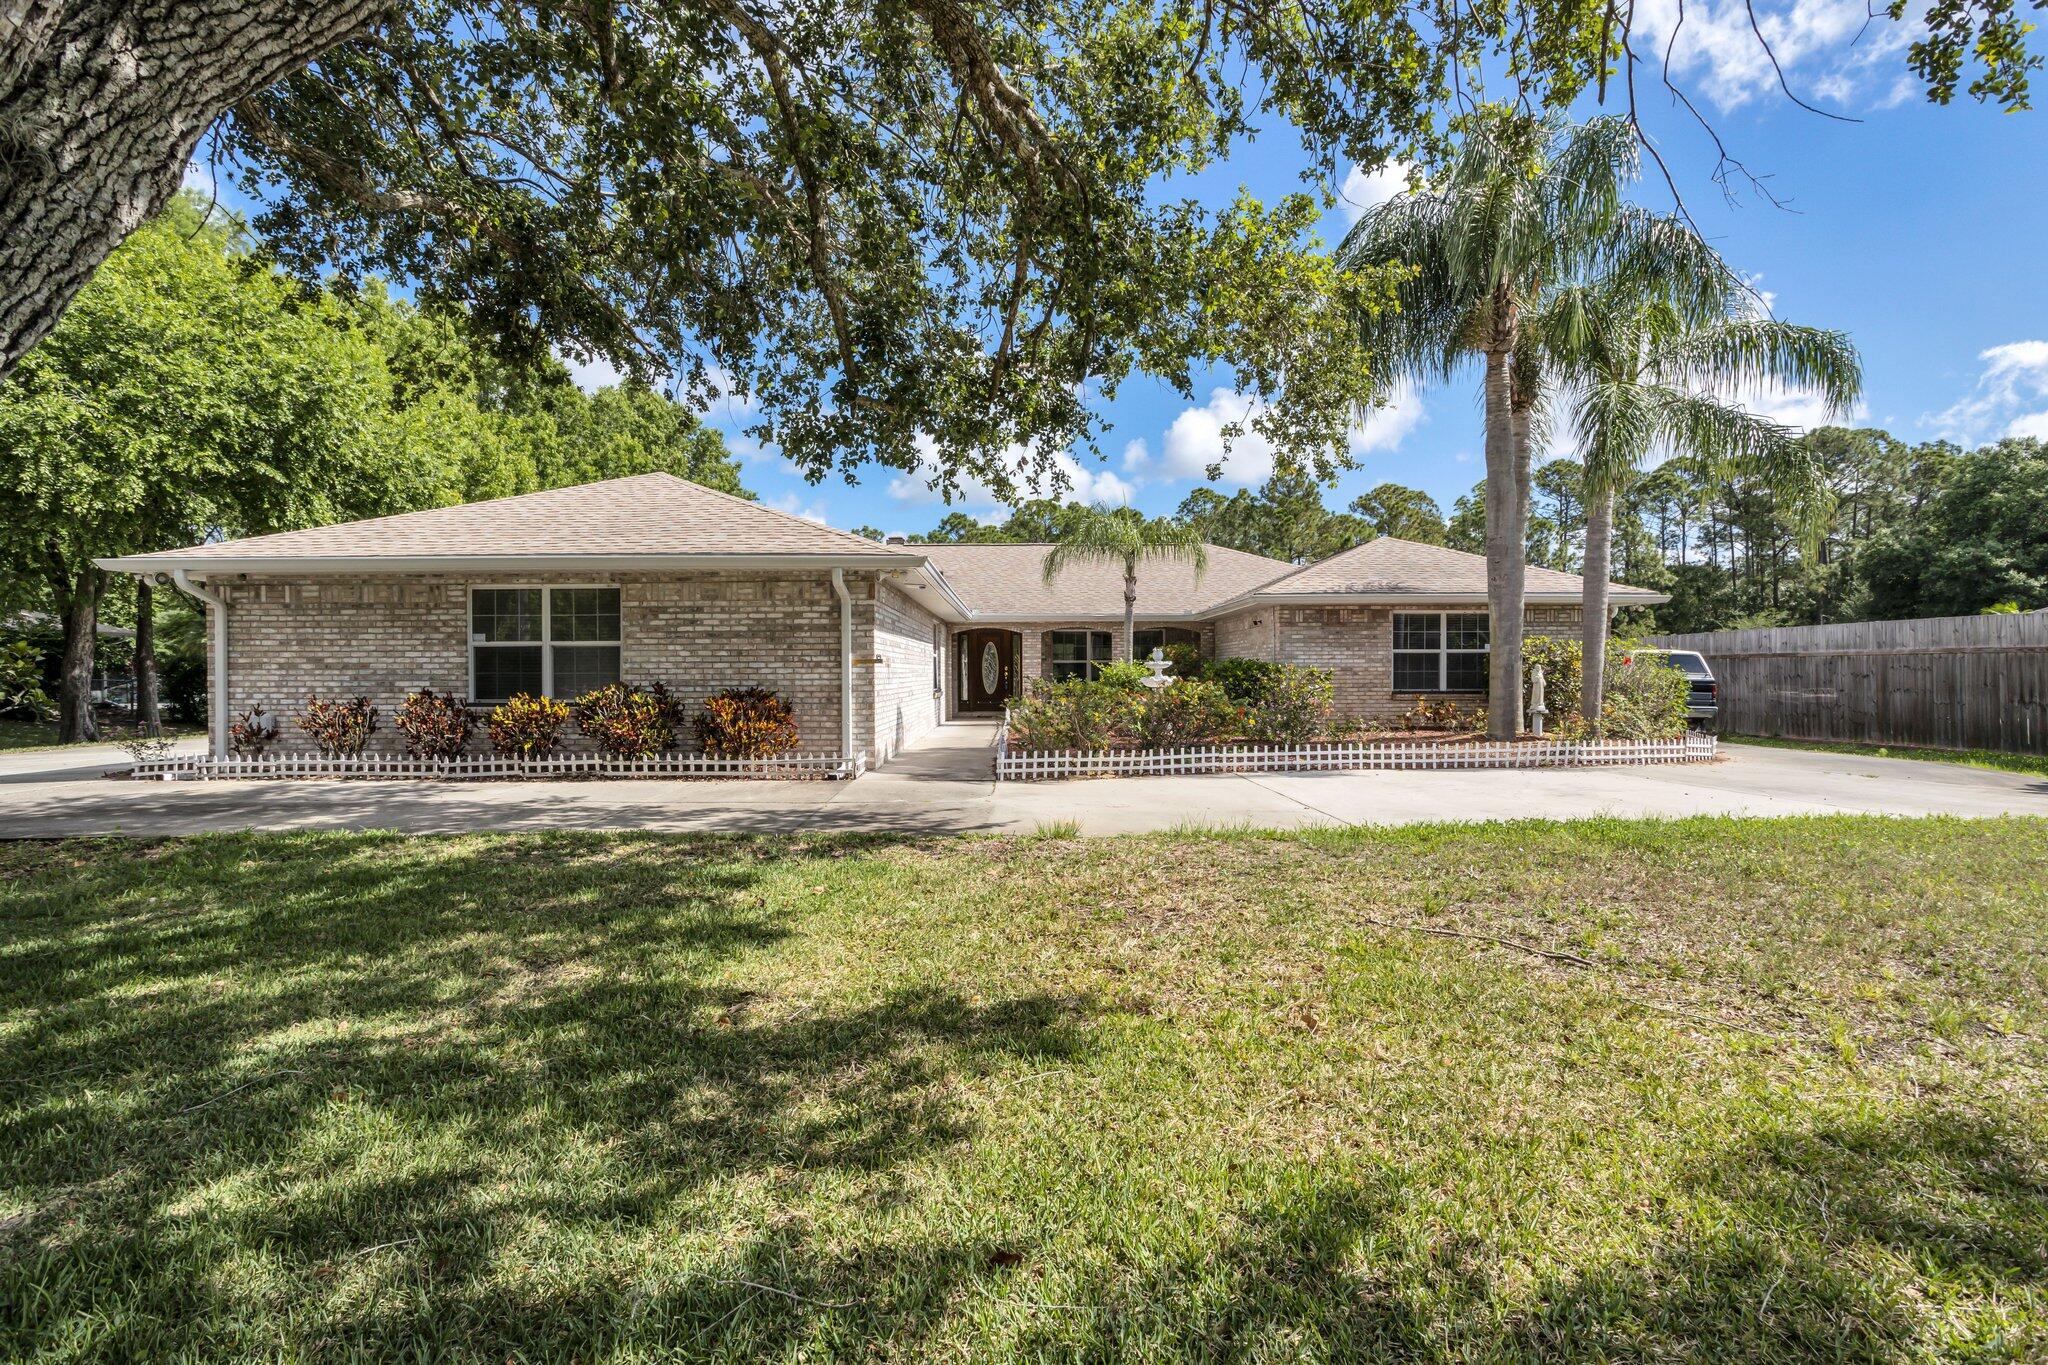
(1185, 713)
(628, 722)
(746, 722)
(341, 727)
(435, 724)
(527, 726)
(1072, 715)
(1293, 707)
(250, 733)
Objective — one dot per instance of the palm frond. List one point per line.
(1749, 352)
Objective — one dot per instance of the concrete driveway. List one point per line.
(943, 786)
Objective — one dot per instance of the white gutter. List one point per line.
(217, 665)
(845, 666)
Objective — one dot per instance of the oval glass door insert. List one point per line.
(991, 668)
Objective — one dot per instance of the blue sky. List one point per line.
(1917, 230)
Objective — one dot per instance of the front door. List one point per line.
(988, 669)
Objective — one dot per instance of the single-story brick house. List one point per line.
(652, 578)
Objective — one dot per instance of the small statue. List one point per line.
(1537, 710)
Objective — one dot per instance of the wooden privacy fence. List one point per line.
(1951, 682)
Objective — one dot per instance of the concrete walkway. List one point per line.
(945, 784)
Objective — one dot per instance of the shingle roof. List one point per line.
(1008, 581)
(1404, 568)
(641, 514)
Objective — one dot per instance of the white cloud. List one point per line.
(2034, 424)
(726, 404)
(1137, 457)
(592, 374)
(1385, 428)
(1365, 191)
(1830, 50)
(1801, 409)
(797, 507)
(2015, 377)
(1196, 442)
(1083, 483)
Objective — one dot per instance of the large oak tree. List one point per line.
(948, 219)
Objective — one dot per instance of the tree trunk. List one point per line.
(1505, 532)
(148, 717)
(102, 103)
(1130, 614)
(79, 605)
(1593, 606)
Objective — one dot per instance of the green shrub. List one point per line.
(628, 722)
(1072, 715)
(1563, 671)
(527, 726)
(21, 679)
(1294, 707)
(1186, 713)
(1644, 700)
(1126, 675)
(341, 727)
(746, 722)
(435, 724)
(1186, 660)
(1245, 680)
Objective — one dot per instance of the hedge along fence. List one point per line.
(490, 767)
(1343, 756)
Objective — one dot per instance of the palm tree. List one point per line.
(1525, 203)
(1123, 535)
(1643, 379)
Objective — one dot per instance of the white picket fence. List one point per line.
(1343, 756)
(486, 767)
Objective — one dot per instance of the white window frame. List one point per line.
(1443, 650)
(547, 630)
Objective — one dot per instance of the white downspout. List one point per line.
(845, 668)
(217, 666)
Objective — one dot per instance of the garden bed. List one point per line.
(1017, 764)
(495, 767)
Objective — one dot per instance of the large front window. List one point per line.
(1145, 641)
(553, 642)
(1440, 651)
(1078, 653)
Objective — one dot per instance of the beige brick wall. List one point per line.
(1355, 643)
(384, 636)
(902, 700)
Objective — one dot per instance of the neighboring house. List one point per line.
(652, 578)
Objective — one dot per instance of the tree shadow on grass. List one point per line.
(347, 1049)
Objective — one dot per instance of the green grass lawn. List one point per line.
(1779, 1095)
(1969, 758)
